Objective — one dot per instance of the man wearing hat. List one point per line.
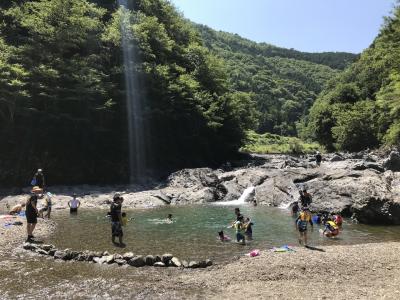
(116, 220)
(32, 212)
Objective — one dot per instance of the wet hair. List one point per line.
(237, 209)
(169, 216)
(123, 214)
(240, 218)
(221, 233)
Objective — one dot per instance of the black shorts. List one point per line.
(73, 210)
(116, 229)
(31, 218)
(302, 229)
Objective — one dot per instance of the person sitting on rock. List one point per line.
(301, 224)
(17, 209)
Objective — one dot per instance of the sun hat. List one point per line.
(36, 189)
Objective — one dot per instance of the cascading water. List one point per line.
(134, 105)
(247, 193)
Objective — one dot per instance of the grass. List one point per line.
(269, 143)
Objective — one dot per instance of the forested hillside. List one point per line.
(361, 107)
(283, 82)
(62, 93)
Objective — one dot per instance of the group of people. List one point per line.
(331, 223)
(243, 229)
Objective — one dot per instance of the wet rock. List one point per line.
(336, 158)
(60, 255)
(46, 247)
(185, 264)
(52, 251)
(202, 264)
(120, 262)
(118, 256)
(150, 260)
(43, 252)
(29, 246)
(128, 256)
(159, 264)
(71, 254)
(209, 262)
(166, 258)
(137, 261)
(392, 162)
(175, 262)
(193, 264)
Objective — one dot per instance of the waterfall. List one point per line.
(247, 193)
(134, 105)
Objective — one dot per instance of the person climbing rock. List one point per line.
(318, 158)
(116, 220)
(301, 225)
(32, 212)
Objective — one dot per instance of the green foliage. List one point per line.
(268, 143)
(361, 108)
(284, 82)
(62, 91)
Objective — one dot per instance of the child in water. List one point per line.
(331, 228)
(223, 237)
(240, 229)
(249, 230)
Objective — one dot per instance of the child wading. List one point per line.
(240, 229)
(301, 224)
(116, 220)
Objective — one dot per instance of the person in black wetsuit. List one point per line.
(31, 212)
(116, 220)
(318, 158)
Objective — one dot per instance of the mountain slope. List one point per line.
(284, 82)
(361, 107)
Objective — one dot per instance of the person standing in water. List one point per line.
(301, 225)
(32, 212)
(116, 220)
(74, 204)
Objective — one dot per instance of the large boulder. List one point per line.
(392, 162)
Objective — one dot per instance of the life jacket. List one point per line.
(303, 220)
(332, 226)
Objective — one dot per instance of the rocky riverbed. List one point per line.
(365, 186)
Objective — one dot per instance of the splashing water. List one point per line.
(134, 105)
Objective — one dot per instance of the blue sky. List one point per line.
(306, 25)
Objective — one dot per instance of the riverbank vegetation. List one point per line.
(269, 143)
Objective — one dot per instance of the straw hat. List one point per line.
(36, 189)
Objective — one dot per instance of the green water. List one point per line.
(193, 234)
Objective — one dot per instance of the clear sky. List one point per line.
(306, 25)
